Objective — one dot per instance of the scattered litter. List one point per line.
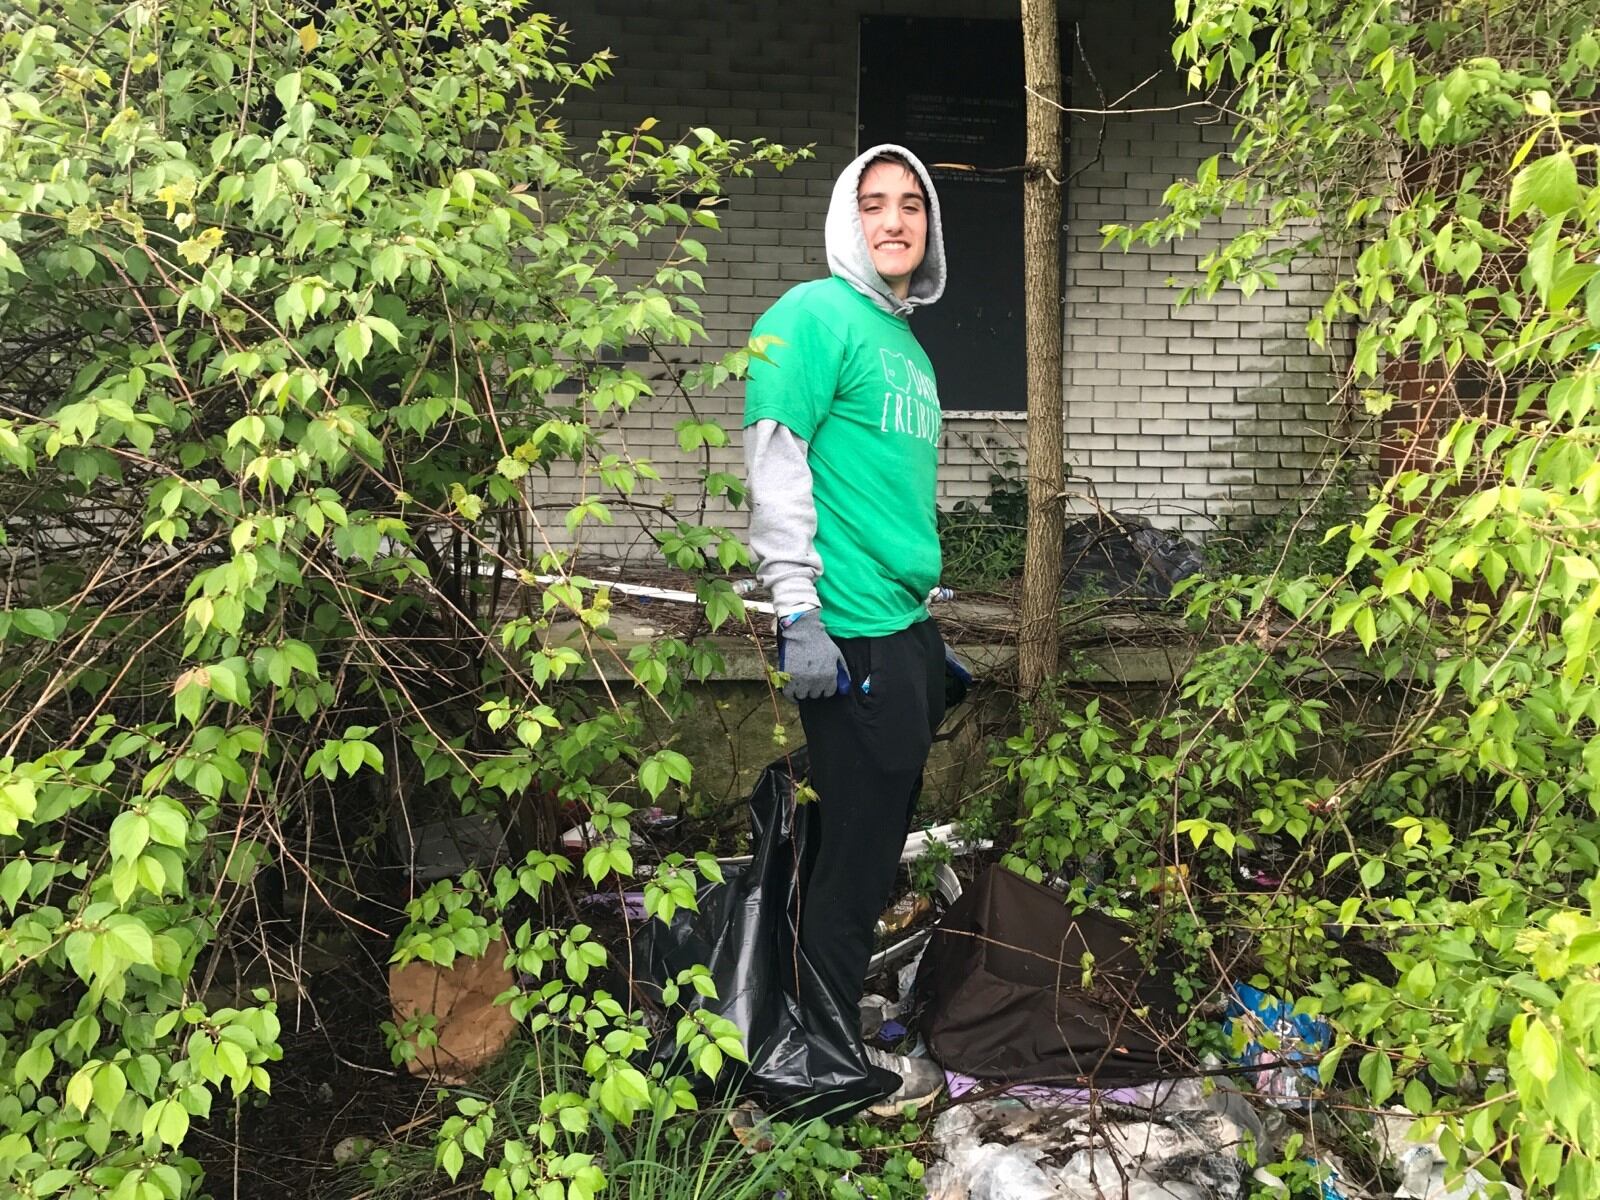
(351, 1149)
(1266, 867)
(584, 835)
(880, 1017)
(445, 849)
(1187, 1092)
(1288, 1075)
(890, 1033)
(906, 981)
(917, 844)
(874, 1014)
(1421, 1165)
(909, 948)
(470, 1026)
(1258, 877)
(919, 840)
(1118, 555)
(629, 904)
(1006, 1150)
(640, 592)
(903, 913)
(752, 1128)
(1334, 1187)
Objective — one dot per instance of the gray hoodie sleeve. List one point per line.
(783, 516)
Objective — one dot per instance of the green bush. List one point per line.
(299, 306)
(1442, 904)
(982, 544)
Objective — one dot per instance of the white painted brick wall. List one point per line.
(1183, 415)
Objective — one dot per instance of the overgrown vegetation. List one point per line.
(1291, 541)
(670, 1155)
(983, 543)
(297, 306)
(1440, 894)
(298, 303)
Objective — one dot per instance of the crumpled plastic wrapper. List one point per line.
(1009, 1150)
(1421, 1166)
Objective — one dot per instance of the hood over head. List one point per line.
(848, 255)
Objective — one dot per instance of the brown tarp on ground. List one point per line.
(1002, 983)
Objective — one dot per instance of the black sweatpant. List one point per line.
(867, 750)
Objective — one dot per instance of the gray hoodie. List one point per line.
(848, 255)
(783, 516)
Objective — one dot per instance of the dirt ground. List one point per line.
(334, 1082)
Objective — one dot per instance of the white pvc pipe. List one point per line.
(742, 588)
(650, 593)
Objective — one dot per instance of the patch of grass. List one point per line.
(688, 1156)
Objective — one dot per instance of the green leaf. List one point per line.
(130, 833)
(34, 1063)
(1366, 626)
(1377, 1075)
(287, 90)
(263, 189)
(80, 1090)
(384, 329)
(18, 802)
(1417, 1097)
(14, 880)
(1539, 1051)
(1549, 184)
(653, 777)
(172, 1125)
(39, 623)
(451, 1159)
(387, 264)
(350, 757)
(1542, 256)
(352, 343)
(188, 700)
(130, 939)
(110, 1085)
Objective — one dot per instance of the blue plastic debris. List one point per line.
(890, 1033)
(1288, 1072)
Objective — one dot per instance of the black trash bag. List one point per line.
(1002, 987)
(1124, 557)
(806, 1057)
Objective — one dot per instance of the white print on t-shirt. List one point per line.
(910, 399)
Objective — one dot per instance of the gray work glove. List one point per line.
(807, 654)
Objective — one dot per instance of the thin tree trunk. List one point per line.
(1037, 640)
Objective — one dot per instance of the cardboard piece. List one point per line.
(472, 1029)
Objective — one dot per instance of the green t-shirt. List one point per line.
(852, 381)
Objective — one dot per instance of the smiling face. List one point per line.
(894, 219)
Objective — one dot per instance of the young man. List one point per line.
(841, 451)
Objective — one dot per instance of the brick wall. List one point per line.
(1186, 416)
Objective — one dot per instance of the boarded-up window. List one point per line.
(951, 91)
